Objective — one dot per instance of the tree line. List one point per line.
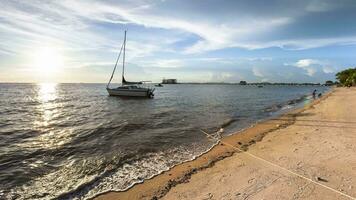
(347, 77)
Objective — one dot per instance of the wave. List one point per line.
(286, 105)
(118, 176)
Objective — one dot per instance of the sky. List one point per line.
(192, 41)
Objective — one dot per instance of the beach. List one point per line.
(307, 153)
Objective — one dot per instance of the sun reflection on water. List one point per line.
(46, 94)
(48, 110)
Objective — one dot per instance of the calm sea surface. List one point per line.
(74, 141)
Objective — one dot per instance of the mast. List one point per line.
(117, 60)
(123, 60)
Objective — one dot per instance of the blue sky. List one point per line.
(193, 41)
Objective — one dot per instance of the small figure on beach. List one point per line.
(319, 95)
(314, 94)
(219, 132)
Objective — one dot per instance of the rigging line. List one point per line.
(117, 60)
(123, 60)
(279, 167)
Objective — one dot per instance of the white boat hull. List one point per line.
(141, 92)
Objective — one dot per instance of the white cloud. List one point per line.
(257, 72)
(304, 63)
(310, 71)
(311, 66)
(215, 36)
(328, 69)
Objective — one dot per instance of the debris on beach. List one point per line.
(321, 179)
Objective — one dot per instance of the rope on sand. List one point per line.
(277, 166)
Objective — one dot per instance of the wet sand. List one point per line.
(317, 142)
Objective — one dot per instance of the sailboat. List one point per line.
(127, 88)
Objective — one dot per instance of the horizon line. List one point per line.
(187, 82)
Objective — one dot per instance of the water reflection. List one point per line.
(48, 109)
(47, 92)
(46, 95)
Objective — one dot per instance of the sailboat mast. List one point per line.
(123, 60)
(117, 61)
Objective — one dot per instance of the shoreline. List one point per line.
(158, 186)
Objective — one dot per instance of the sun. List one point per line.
(47, 60)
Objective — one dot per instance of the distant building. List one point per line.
(169, 81)
(243, 83)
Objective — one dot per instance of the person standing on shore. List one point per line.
(314, 94)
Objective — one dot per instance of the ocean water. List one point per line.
(74, 141)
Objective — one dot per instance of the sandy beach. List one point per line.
(317, 142)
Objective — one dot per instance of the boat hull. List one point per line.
(142, 92)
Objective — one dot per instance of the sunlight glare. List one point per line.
(47, 60)
(47, 92)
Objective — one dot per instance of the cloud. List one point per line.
(328, 69)
(239, 25)
(68, 25)
(232, 35)
(311, 66)
(304, 63)
(257, 72)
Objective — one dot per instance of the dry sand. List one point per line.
(318, 142)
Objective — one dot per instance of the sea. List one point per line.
(73, 141)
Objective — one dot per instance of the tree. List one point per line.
(347, 77)
(329, 83)
(243, 83)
